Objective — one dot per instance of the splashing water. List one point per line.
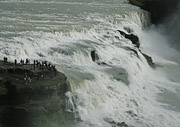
(119, 86)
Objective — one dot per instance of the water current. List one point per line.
(119, 86)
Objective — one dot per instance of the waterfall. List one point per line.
(142, 18)
(96, 45)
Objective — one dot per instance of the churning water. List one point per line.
(119, 86)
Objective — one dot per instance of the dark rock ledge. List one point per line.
(40, 102)
(135, 40)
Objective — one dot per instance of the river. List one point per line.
(119, 86)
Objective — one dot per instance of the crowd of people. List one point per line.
(44, 65)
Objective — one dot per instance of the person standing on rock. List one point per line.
(27, 61)
(15, 61)
(34, 64)
(37, 62)
(55, 70)
(29, 80)
(49, 66)
(5, 59)
(21, 61)
(45, 64)
(51, 69)
(25, 80)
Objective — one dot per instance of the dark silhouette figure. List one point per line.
(5, 59)
(34, 64)
(21, 62)
(27, 61)
(15, 61)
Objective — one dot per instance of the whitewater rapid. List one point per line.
(119, 86)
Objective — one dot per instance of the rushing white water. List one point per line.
(124, 88)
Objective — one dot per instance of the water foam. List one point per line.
(97, 96)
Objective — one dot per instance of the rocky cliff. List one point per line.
(38, 101)
(159, 9)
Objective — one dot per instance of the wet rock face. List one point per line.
(135, 41)
(132, 37)
(16, 118)
(159, 9)
(149, 60)
(94, 55)
(29, 104)
(118, 124)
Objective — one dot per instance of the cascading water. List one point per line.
(119, 85)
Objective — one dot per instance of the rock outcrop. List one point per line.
(149, 60)
(94, 55)
(134, 39)
(40, 102)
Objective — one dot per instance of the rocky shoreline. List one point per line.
(36, 103)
